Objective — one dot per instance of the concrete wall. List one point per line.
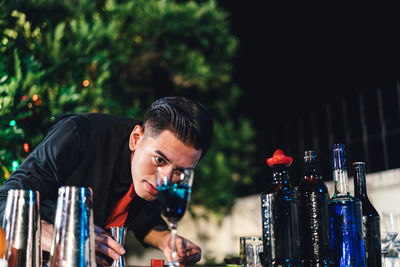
(219, 237)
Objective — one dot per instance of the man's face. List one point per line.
(149, 153)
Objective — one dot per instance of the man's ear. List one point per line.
(136, 136)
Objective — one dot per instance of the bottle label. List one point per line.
(281, 235)
(364, 234)
(315, 227)
(372, 240)
(346, 233)
(267, 222)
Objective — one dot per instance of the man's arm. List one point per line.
(46, 236)
(188, 252)
(157, 238)
(145, 220)
(46, 167)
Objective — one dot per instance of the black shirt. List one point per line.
(90, 150)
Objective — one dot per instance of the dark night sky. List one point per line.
(312, 53)
(305, 56)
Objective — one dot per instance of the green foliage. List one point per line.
(117, 57)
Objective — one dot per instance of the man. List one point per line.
(118, 158)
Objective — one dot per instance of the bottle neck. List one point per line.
(360, 186)
(340, 176)
(341, 181)
(311, 173)
(280, 174)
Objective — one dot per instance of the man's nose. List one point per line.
(166, 171)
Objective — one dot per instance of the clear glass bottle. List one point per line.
(370, 218)
(314, 215)
(281, 236)
(345, 212)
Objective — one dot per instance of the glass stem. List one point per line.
(174, 254)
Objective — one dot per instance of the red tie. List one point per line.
(120, 211)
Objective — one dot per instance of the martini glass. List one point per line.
(390, 251)
(174, 190)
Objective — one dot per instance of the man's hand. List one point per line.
(47, 235)
(105, 245)
(107, 249)
(188, 252)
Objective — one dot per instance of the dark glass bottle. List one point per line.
(281, 236)
(345, 215)
(314, 215)
(370, 218)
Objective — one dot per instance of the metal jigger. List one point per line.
(21, 224)
(119, 234)
(73, 237)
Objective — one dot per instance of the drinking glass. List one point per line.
(242, 251)
(390, 238)
(253, 248)
(119, 235)
(73, 237)
(22, 229)
(174, 190)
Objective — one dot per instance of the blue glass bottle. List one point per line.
(370, 218)
(314, 215)
(280, 225)
(345, 216)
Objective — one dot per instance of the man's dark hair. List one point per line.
(188, 120)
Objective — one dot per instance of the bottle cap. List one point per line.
(279, 158)
(339, 157)
(157, 263)
(310, 155)
(358, 164)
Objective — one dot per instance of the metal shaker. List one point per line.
(21, 224)
(73, 236)
(119, 234)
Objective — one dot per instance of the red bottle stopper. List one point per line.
(279, 158)
(157, 263)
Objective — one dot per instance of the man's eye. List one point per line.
(159, 160)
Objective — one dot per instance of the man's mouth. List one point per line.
(150, 188)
